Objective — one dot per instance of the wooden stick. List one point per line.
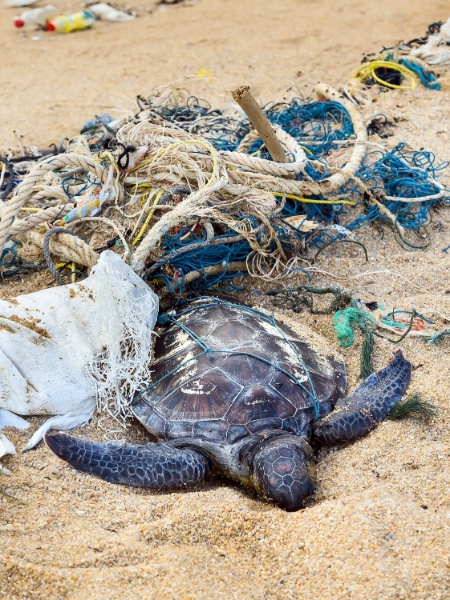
(260, 122)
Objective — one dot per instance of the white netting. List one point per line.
(63, 350)
(122, 368)
(436, 51)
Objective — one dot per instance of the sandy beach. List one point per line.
(378, 526)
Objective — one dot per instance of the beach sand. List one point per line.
(379, 525)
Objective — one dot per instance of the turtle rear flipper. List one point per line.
(370, 403)
(155, 466)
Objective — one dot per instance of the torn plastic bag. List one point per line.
(66, 349)
(6, 447)
(8, 419)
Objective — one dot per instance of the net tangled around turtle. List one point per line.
(206, 302)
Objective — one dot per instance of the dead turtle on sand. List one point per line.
(243, 395)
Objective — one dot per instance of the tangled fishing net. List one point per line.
(191, 198)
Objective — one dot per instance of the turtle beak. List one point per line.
(282, 472)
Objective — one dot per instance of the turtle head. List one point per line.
(283, 471)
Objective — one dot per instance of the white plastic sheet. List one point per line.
(65, 349)
(8, 419)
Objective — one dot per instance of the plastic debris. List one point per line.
(6, 447)
(36, 17)
(96, 336)
(9, 419)
(19, 3)
(73, 22)
(105, 12)
(103, 119)
(93, 206)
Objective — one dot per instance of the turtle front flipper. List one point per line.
(156, 466)
(370, 403)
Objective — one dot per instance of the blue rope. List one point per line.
(426, 77)
(12, 264)
(319, 127)
(439, 336)
(409, 313)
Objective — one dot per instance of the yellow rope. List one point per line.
(108, 156)
(368, 70)
(311, 201)
(73, 269)
(147, 220)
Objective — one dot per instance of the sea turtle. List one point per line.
(237, 392)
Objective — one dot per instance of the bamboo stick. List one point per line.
(260, 122)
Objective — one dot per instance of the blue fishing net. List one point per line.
(320, 128)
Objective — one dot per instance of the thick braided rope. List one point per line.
(270, 167)
(27, 187)
(266, 181)
(66, 247)
(47, 255)
(337, 180)
(438, 196)
(271, 183)
(178, 215)
(248, 140)
(47, 194)
(45, 215)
